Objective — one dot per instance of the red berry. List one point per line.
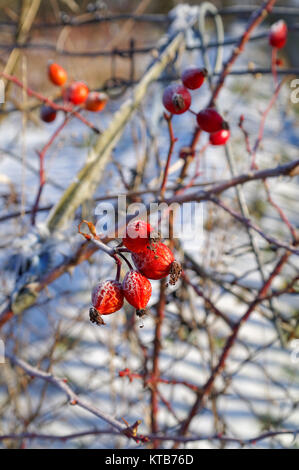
(107, 297)
(278, 34)
(209, 120)
(76, 93)
(219, 137)
(193, 77)
(96, 101)
(176, 99)
(47, 114)
(137, 236)
(57, 74)
(137, 290)
(157, 262)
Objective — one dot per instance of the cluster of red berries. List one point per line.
(76, 93)
(177, 100)
(152, 259)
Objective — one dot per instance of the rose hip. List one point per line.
(176, 99)
(193, 77)
(209, 120)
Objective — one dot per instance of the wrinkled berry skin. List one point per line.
(137, 289)
(76, 93)
(278, 34)
(57, 74)
(107, 297)
(193, 77)
(47, 114)
(137, 236)
(209, 120)
(176, 99)
(96, 101)
(220, 137)
(155, 262)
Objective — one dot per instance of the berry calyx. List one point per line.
(107, 297)
(137, 291)
(139, 234)
(193, 77)
(96, 101)
(47, 114)
(176, 99)
(76, 93)
(57, 74)
(157, 262)
(220, 137)
(278, 34)
(209, 120)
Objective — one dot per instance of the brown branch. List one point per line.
(42, 175)
(156, 370)
(248, 223)
(256, 18)
(73, 398)
(205, 391)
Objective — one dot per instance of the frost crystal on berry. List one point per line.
(107, 297)
(137, 290)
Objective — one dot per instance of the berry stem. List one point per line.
(118, 264)
(274, 65)
(127, 261)
(173, 139)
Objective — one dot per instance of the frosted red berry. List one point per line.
(278, 34)
(107, 297)
(57, 74)
(137, 290)
(176, 99)
(138, 235)
(157, 262)
(220, 137)
(47, 114)
(209, 120)
(193, 77)
(96, 101)
(76, 93)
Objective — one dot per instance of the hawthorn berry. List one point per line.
(139, 234)
(76, 93)
(176, 99)
(107, 297)
(278, 34)
(157, 262)
(57, 74)
(96, 101)
(220, 137)
(137, 291)
(193, 77)
(209, 120)
(47, 114)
